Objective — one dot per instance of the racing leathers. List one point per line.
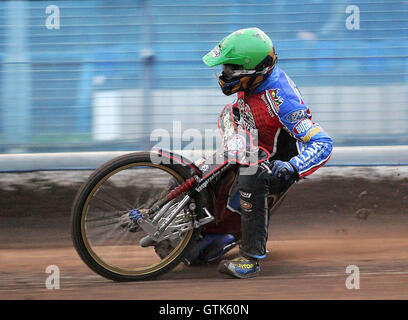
(285, 128)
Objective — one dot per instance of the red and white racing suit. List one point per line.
(285, 128)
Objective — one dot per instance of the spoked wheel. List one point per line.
(103, 232)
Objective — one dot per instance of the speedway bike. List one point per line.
(137, 216)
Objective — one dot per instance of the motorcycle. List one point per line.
(139, 215)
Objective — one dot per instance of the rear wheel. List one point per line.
(101, 211)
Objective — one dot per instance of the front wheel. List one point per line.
(115, 190)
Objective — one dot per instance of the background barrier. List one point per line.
(102, 75)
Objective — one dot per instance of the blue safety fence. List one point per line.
(116, 70)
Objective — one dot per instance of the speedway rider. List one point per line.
(268, 101)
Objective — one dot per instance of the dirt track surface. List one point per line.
(336, 218)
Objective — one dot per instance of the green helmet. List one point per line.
(247, 56)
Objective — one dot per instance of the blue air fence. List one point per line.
(116, 70)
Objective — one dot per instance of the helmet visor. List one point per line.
(234, 71)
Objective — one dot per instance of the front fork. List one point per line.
(159, 230)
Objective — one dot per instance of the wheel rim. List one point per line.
(127, 258)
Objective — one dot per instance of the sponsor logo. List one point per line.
(216, 52)
(245, 194)
(245, 205)
(315, 151)
(268, 105)
(236, 144)
(311, 133)
(246, 116)
(228, 125)
(204, 185)
(276, 98)
(296, 116)
(210, 178)
(302, 126)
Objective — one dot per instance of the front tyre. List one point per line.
(115, 190)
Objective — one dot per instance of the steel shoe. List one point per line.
(210, 248)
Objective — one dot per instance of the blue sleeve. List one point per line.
(296, 118)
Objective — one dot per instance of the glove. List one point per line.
(283, 170)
